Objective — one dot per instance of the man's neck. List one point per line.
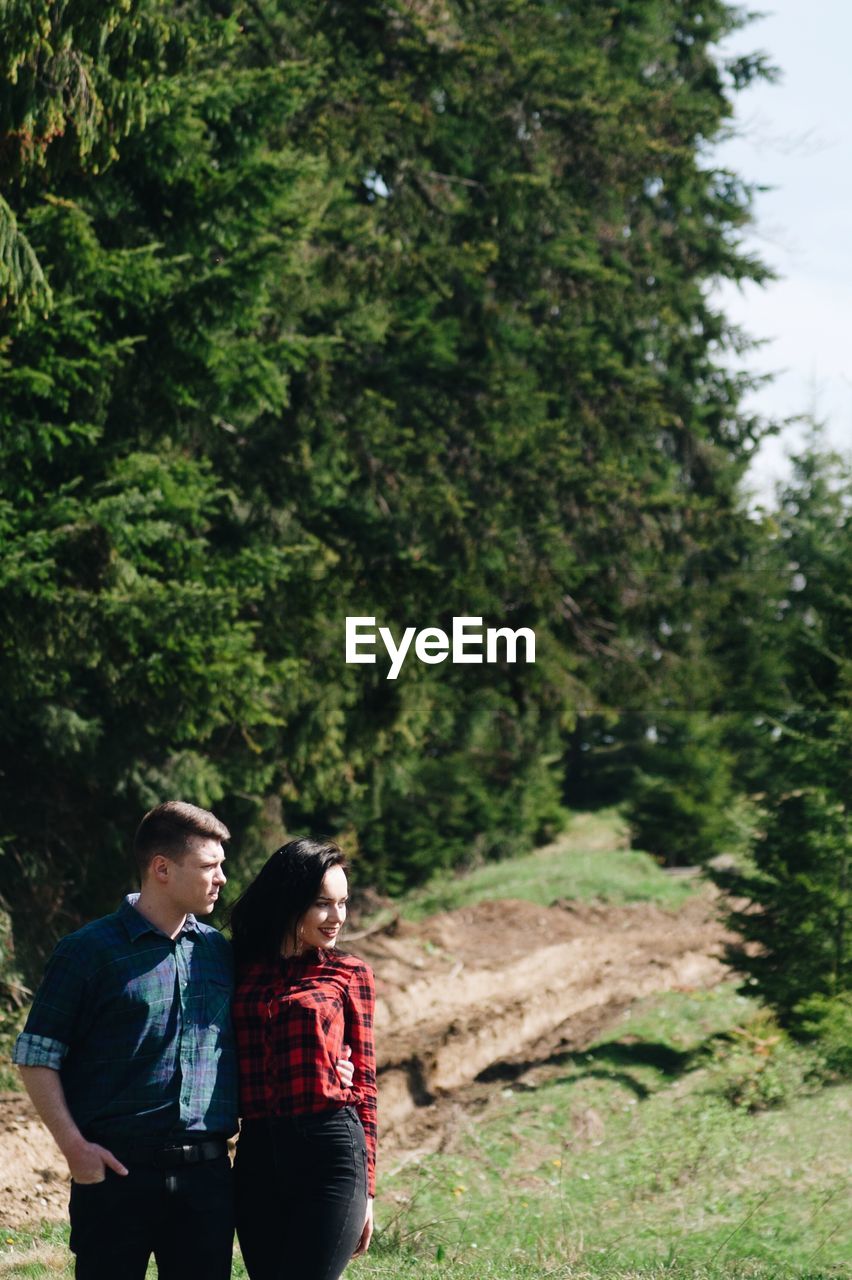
(162, 915)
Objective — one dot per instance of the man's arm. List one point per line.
(86, 1160)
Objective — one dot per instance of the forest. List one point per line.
(403, 310)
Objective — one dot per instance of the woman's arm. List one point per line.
(359, 1016)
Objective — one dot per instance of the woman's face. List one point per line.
(323, 920)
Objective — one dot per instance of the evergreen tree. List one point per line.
(132, 666)
(800, 890)
(381, 309)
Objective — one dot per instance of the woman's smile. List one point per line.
(323, 920)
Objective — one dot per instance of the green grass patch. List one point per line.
(591, 861)
(636, 1159)
(46, 1256)
(35, 1254)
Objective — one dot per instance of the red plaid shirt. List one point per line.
(291, 1020)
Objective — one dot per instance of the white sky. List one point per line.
(796, 138)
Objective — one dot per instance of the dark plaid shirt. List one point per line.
(138, 1026)
(291, 1020)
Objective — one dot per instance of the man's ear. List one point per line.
(159, 868)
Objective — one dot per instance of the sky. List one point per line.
(795, 137)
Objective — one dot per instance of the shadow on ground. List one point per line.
(612, 1061)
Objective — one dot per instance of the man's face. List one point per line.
(193, 884)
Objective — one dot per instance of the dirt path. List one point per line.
(33, 1177)
(510, 981)
(503, 982)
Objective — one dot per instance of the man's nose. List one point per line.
(220, 876)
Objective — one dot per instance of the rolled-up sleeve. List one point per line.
(38, 1051)
(55, 1014)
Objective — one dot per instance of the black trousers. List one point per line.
(184, 1216)
(301, 1193)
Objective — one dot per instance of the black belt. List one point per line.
(170, 1155)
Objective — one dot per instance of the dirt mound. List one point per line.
(507, 980)
(34, 1181)
(500, 985)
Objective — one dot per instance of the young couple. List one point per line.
(149, 1034)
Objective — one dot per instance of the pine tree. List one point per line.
(800, 889)
(355, 309)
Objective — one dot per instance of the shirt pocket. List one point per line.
(217, 1003)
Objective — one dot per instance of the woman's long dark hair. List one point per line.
(268, 912)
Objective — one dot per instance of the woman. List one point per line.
(305, 1165)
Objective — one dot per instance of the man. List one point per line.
(128, 1056)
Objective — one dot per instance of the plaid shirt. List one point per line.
(291, 1020)
(138, 1026)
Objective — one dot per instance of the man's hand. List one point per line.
(88, 1162)
(344, 1068)
(367, 1234)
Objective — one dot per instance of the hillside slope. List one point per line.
(461, 991)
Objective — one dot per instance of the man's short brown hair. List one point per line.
(170, 829)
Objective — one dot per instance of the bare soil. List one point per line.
(464, 999)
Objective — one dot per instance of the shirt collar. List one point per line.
(136, 924)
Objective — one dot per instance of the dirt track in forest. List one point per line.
(496, 988)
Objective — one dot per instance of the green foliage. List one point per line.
(325, 311)
(590, 861)
(684, 747)
(13, 997)
(799, 887)
(757, 1066)
(681, 795)
(76, 80)
(828, 1020)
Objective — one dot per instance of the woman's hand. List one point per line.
(367, 1234)
(344, 1068)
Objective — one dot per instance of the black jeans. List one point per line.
(184, 1216)
(301, 1191)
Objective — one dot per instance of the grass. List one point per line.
(591, 861)
(636, 1159)
(35, 1254)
